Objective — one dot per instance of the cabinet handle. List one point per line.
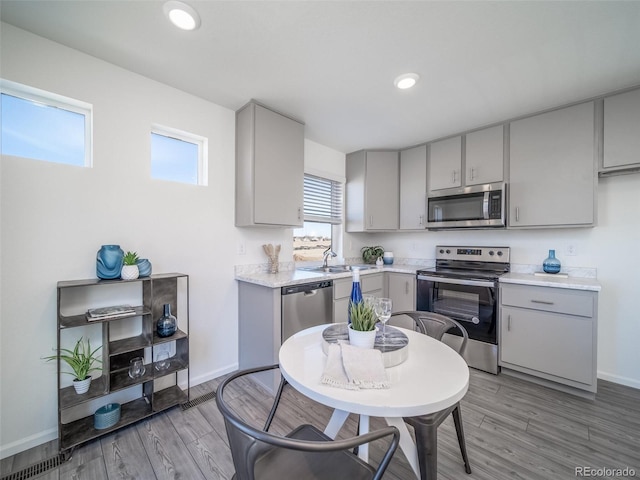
(472, 173)
(508, 323)
(371, 220)
(406, 287)
(543, 302)
(421, 220)
(299, 213)
(517, 214)
(453, 178)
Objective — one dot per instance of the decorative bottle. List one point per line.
(109, 262)
(356, 292)
(551, 264)
(166, 324)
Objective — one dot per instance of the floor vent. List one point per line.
(196, 401)
(36, 469)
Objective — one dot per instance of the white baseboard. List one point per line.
(26, 443)
(629, 382)
(39, 438)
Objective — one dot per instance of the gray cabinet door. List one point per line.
(413, 188)
(445, 164)
(622, 130)
(484, 156)
(401, 289)
(552, 169)
(382, 191)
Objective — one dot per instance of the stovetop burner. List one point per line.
(482, 263)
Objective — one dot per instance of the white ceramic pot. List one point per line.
(129, 272)
(362, 339)
(82, 386)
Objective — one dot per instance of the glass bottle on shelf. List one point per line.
(356, 292)
(166, 324)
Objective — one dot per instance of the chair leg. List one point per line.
(276, 401)
(457, 420)
(427, 443)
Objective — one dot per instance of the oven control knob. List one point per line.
(475, 320)
(499, 253)
(448, 251)
(441, 250)
(491, 253)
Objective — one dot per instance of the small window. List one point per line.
(178, 156)
(322, 214)
(44, 126)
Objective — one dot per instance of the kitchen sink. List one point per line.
(335, 268)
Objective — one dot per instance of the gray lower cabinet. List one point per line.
(269, 168)
(122, 338)
(370, 284)
(621, 138)
(372, 191)
(401, 289)
(413, 188)
(550, 333)
(552, 178)
(445, 164)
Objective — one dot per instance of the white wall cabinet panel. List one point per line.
(445, 164)
(484, 156)
(413, 188)
(269, 168)
(621, 131)
(550, 333)
(372, 191)
(552, 178)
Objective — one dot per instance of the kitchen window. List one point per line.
(44, 126)
(322, 218)
(178, 156)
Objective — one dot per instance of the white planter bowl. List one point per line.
(362, 339)
(129, 272)
(82, 386)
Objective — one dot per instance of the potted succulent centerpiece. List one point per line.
(362, 329)
(130, 266)
(82, 361)
(371, 254)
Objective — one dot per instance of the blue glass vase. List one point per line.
(109, 262)
(166, 324)
(356, 293)
(551, 264)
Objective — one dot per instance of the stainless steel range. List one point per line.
(464, 286)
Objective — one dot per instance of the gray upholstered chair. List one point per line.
(305, 453)
(426, 426)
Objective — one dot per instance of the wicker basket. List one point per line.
(106, 416)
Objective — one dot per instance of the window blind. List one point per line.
(322, 200)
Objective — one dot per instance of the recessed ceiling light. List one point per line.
(181, 15)
(407, 80)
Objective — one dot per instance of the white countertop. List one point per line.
(575, 283)
(296, 277)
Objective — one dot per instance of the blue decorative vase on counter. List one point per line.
(551, 264)
(109, 262)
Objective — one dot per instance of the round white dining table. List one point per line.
(432, 378)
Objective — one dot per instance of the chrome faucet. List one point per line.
(325, 256)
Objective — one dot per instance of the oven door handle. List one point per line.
(458, 281)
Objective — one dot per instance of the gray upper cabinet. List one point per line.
(552, 178)
(621, 148)
(372, 191)
(484, 156)
(413, 188)
(269, 168)
(445, 164)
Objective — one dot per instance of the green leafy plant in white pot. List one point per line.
(82, 361)
(362, 329)
(130, 269)
(371, 254)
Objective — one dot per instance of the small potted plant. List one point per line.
(82, 361)
(362, 329)
(130, 266)
(371, 254)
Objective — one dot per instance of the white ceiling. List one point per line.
(331, 64)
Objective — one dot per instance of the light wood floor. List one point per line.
(514, 430)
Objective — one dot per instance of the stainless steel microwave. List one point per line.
(478, 206)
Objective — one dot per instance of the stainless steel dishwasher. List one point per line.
(305, 306)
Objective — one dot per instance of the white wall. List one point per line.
(611, 248)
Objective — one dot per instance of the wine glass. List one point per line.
(383, 312)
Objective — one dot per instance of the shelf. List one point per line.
(169, 397)
(120, 379)
(98, 281)
(176, 365)
(82, 430)
(69, 397)
(157, 340)
(81, 320)
(129, 344)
